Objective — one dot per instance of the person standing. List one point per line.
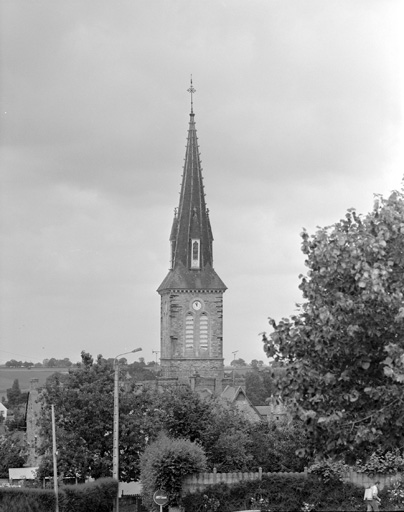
(368, 498)
(375, 496)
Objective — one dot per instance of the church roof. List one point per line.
(191, 222)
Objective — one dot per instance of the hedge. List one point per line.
(278, 493)
(96, 496)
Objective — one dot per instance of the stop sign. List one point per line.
(160, 497)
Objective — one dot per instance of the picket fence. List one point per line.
(363, 480)
(199, 481)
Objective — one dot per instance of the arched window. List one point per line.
(195, 253)
(189, 331)
(203, 331)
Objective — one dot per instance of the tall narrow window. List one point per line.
(189, 331)
(203, 332)
(172, 254)
(195, 254)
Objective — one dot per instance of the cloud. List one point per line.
(299, 117)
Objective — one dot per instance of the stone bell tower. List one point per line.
(192, 292)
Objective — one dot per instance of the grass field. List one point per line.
(8, 375)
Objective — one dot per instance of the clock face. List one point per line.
(197, 304)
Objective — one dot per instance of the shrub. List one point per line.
(395, 494)
(96, 496)
(382, 463)
(277, 493)
(164, 464)
(91, 497)
(329, 470)
(17, 499)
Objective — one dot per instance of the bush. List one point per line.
(329, 470)
(382, 463)
(277, 493)
(17, 499)
(164, 464)
(97, 496)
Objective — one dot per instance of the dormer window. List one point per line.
(195, 253)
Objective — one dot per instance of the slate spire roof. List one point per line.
(191, 222)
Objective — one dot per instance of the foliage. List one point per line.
(96, 496)
(16, 420)
(238, 363)
(329, 470)
(278, 493)
(381, 463)
(13, 363)
(83, 402)
(343, 352)
(14, 395)
(13, 453)
(92, 497)
(255, 388)
(16, 499)
(260, 386)
(164, 464)
(395, 494)
(274, 446)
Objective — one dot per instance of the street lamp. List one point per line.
(234, 367)
(115, 459)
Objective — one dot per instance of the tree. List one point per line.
(343, 351)
(255, 388)
(13, 453)
(238, 362)
(14, 394)
(83, 401)
(274, 446)
(165, 463)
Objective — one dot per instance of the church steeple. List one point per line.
(192, 292)
(191, 236)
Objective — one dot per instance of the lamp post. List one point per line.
(115, 457)
(234, 367)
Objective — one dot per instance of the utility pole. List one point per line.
(55, 464)
(234, 367)
(156, 352)
(115, 456)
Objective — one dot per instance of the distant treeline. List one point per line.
(63, 363)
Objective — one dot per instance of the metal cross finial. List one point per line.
(192, 90)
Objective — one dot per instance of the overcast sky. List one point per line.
(299, 113)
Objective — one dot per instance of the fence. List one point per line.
(364, 480)
(199, 481)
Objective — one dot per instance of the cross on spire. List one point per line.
(191, 90)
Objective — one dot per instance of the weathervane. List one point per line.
(192, 90)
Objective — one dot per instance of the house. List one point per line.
(17, 476)
(237, 396)
(3, 411)
(275, 411)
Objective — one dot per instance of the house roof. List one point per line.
(237, 395)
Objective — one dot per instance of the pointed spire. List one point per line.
(191, 234)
